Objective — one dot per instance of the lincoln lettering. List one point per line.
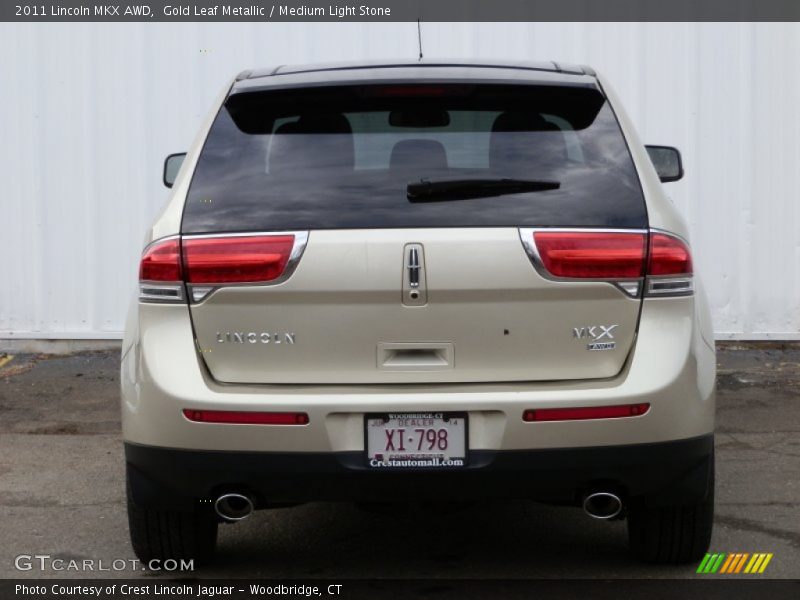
(254, 337)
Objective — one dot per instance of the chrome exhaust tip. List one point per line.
(602, 505)
(234, 507)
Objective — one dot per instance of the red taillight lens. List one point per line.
(236, 259)
(591, 254)
(668, 256)
(245, 417)
(587, 412)
(161, 262)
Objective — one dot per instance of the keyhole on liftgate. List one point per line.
(414, 295)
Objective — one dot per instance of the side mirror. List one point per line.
(667, 161)
(172, 164)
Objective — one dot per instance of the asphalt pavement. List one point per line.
(62, 494)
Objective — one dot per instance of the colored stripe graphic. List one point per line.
(734, 563)
(715, 566)
(702, 566)
(765, 563)
(730, 564)
(740, 564)
(754, 561)
(727, 564)
(709, 562)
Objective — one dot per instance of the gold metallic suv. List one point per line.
(376, 281)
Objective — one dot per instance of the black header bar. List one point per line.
(400, 10)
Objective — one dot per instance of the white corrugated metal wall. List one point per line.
(89, 111)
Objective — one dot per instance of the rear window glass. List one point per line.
(343, 158)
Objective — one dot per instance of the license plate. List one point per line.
(416, 440)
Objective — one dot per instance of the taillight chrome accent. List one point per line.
(205, 263)
(634, 260)
(199, 292)
(670, 286)
(160, 292)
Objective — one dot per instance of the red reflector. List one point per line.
(588, 254)
(245, 417)
(161, 262)
(587, 412)
(668, 256)
(236, 259)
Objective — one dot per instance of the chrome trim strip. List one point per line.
(630, 287)
(413, 267)
(414, 285)
(586, 229)
(165, 293)
(201, 292)
(670, 234)
(670, 286)
(174, 236)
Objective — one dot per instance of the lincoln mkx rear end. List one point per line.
(419, 282)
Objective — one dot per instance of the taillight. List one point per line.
(160, 277)
(161, 261)
(669, 268)
(247, 259)
(590, 255)
(619, 257)
(668, 256)
(204, 263)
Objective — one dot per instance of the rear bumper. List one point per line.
(671, 368)
(675, 472)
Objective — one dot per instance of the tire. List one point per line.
(170, 534)
(672, 534)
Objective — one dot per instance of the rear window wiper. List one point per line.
(464, 189)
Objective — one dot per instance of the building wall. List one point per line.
(89, 111)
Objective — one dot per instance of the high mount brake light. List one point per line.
(206, 262)
(414, 91)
